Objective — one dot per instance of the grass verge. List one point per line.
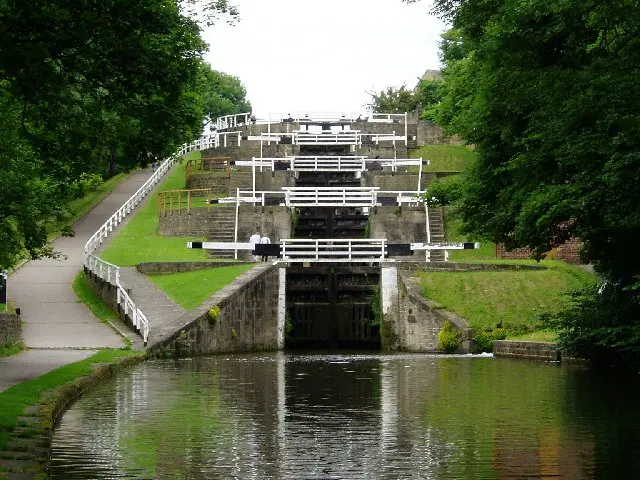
(101, 310)
(190, 289)
(138, 241)
(513, 298)
(487, 250)
(10, 347)
(16, 399)
(445, 158)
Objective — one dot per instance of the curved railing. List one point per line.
(109, 272)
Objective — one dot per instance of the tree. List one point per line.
(548, 93)
(90, 87)
(222, 94)
(393, 100)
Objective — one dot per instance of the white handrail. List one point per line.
(110, 272)
(333, 250)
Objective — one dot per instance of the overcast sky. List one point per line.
(324, 55)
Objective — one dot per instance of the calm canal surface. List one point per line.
(352, 417)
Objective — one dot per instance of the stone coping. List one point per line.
(176, 267)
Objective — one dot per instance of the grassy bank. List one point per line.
(16, 399)
(139, 241)
(83, 290)
(190, 289)
(514, 299)
(445, 158)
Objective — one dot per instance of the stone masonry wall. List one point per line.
(398, 225)
(274, 222)
(532, 350)
(568, 252)
(10, 328)
(431, 134)
(413, 322)
(244, 318)
(198, 222)
(177, 267)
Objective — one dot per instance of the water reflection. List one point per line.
(351, 416)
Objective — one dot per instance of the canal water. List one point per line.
(281, 416)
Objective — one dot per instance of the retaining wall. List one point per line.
(176, 267)
(544, 351)
(398, 224)
(431, 134)
(411, 322)
(10, 327)
(245, 318)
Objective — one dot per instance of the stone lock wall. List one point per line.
(410, 322)
(532, 350)
(274, 222)
(398, 225)
(241, 317)
(10, 328)
(431, 134)
(198, 222)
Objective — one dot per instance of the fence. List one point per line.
(208, 165)
(232, 121)
(333, 250)
(111, 273)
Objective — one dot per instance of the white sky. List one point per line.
(324, 55)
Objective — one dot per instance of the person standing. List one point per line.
(265, 241)
(254, 239)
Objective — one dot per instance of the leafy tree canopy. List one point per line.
(222, 94)
(90, 87)
(548, 92)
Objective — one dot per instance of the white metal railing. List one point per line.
(110, 272)
(339, 138)
(388, 117)
(326, 197)
(328, 163)
(232, 121)
(330, 117)
(347, 137)
(333, 250)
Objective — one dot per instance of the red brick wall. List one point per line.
(568, 252)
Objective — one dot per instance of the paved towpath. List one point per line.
(57, 328)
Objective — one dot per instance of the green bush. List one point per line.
(214, 313)
(483, 340)
(449, 338)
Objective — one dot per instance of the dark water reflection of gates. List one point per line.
(350, 416)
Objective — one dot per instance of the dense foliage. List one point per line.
(425, 95)
(548, 92)
(93, 88)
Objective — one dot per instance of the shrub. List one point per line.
(483, 340)
(449, 338)
(214, 312)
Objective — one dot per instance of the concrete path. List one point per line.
(162, 312)
(54, 319)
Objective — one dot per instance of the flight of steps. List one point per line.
(436, 227)
(412, 133)
(223, 221)
(241, 180)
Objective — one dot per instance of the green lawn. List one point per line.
(516, 298)
(190, 289)
(16, 399)
(487, 250)
(445, 158)
(93, 302)
(138, 241)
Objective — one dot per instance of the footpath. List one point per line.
(57, 328)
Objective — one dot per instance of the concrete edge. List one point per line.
(48, 413)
